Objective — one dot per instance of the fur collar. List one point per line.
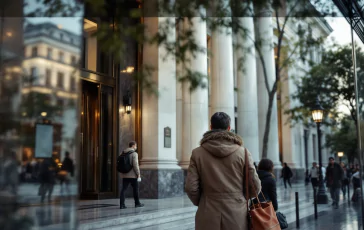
(217, 134)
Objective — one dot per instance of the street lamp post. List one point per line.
(317, 115)
(340, 155)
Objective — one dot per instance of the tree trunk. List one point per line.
(271, 96)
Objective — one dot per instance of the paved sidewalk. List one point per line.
(62, 213)
(347, 217)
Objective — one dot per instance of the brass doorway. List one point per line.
(97, 137)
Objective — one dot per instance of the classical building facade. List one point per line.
(51, 55)
(114, 109)
(187, 113)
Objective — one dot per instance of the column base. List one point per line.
(184, 164)
(158, 164)
(160, 183)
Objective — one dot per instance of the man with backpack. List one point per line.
(128, 166)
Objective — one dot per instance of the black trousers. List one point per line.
(135, 185)
(285, 180)
(314, 182)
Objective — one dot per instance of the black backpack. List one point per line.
(124, 162)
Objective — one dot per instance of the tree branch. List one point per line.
(289, 57)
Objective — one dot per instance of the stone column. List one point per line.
(247, 100)
(159, 161)
(222, 73)
(179, 103)
(195, 103)
(264, 34)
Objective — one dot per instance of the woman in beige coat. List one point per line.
(215, 178)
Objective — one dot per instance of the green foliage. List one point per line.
(344, 138)
(333, 80)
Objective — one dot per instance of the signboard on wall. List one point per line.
(167, 137)
(43, 140)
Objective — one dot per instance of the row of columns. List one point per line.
(193, 121)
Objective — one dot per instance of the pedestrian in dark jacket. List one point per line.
(334, 176)
(268, 182)
(67, 170)
(286, 175)
(47, 177)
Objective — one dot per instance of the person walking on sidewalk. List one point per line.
(268, 181)
(215, 178)
(132, 177)
(67, 171)
(346, 179)
(287, 175)
(314, 174)
(334, 176)
(47, 177)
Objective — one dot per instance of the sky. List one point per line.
(341, 32)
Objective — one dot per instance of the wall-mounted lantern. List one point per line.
(127, 102)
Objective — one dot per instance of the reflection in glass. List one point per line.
(39, 90)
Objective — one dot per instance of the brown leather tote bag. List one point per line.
(261, 216)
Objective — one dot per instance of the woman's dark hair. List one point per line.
(265, 165)
(285, 164)
(220, 120)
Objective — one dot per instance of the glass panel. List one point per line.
(39, 121)
(90, 134)
(106, 159)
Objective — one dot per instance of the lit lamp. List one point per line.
(317, 116)
(127, 102)
(340, 155)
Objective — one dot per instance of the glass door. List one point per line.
(90, 139)
(106, 145)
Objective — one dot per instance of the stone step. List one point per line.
(141, 220)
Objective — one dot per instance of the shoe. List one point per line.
(333, 203)
(336, 206)
(139, 205)
(122, 207)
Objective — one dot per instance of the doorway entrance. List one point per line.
(97, 142)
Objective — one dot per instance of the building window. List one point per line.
(48, 77)
(73, 60)
(73, 84)
(61, 36)
(60, 79)
(34, 51)
(33, 73)
(71, 40)
(60, 104)
(61, 56)
(49, 53)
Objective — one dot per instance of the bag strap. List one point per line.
(130, 152)
(248, 180)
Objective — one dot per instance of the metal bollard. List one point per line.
(315, 202)
(297, 212)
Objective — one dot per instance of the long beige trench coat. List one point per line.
(215, 182)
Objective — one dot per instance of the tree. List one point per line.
(344, 139)
(286, 50)
(333, 80)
